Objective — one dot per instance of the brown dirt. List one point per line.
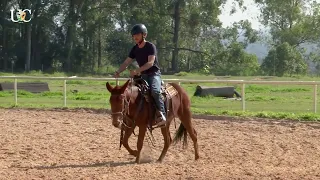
(84, 145)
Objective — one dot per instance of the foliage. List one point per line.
(85, 36)
(285, 59)
(92, 36)
(237, 62)
(290, 27)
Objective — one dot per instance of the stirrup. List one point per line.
(160, 124)
(160, 121)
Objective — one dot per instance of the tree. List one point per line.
(72, 19)
(290, 28)
(176, 19)
(223, 50)
(84, 36)
(284, 59)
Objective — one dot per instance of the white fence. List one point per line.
(242, 82)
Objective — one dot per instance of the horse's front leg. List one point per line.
(125, 142)
(142, 133)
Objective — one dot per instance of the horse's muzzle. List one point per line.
(116, 123)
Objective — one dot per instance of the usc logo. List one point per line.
(21, 15)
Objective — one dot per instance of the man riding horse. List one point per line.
(145, 53)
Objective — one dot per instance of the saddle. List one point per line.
(167, 91)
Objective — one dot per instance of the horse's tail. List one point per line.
(181, 103)
(181, 132)
(180, 91)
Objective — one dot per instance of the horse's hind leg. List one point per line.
(185, 118)
(167, 141)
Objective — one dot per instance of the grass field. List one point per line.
(275, 101)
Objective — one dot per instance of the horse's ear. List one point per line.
(124, 87)
(109, 87)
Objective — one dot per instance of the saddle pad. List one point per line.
(170, 90)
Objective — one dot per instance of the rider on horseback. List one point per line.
(145, 54)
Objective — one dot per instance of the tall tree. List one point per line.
(74, 10)
(5, 33)
(292, 23)
(28, 53)
(91, 36)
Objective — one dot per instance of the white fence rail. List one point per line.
(242, 82)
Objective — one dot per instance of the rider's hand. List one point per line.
(133, 73)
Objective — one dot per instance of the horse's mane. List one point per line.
(132, 92)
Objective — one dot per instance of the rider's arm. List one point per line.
(148, 65)
(124, 65)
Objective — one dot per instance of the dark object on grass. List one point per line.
(33, 87)
(227, 91)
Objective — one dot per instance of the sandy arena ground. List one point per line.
(84, 145)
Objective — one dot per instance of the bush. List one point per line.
(182, 73)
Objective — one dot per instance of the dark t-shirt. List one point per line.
(141, 56)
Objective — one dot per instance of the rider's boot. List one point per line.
(160, 120)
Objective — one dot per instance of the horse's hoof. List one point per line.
(134, 153)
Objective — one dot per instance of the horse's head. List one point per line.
(118, 102)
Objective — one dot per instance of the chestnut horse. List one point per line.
(131, 108)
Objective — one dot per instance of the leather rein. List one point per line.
(125, 114)
(125, 111)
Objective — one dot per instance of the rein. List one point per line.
(125, 114)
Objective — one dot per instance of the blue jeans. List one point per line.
(154, 82)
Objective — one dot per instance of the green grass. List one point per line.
(269, 101)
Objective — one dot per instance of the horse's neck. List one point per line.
(132, 94)
(134, 97)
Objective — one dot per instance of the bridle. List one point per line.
(124, 112)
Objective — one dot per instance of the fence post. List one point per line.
(65, 93)
(315, 92)
(243, 97)
(15, 87)
(179, 83)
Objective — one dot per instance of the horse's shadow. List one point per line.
(99, 164)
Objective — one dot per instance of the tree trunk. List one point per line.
(93, 62)
(175, 52)
(86, 44)
(4, 48)
(224, 91)
(73, 19)
(70, 36)
(85, 36)
(99, 46)
(35, 56)
(90, 55)
(28, 54)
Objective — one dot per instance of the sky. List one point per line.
(251, 14)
